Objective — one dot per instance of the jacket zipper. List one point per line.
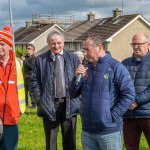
(93, 76)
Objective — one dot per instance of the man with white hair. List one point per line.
(49, 84)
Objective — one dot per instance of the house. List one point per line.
(36, 35)
(116, 31)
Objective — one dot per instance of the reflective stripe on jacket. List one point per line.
(20, 87)
(10, 89)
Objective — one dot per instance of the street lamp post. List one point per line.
(11, 23)
(122, 7)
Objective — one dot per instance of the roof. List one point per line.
(107, 27)
(31, 33)
(79, 28)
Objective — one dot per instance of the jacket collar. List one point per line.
(101, 60)
(143, 58)
(52, 56)
(105, 58)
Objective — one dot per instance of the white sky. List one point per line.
(22, 10)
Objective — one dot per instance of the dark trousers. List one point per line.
(68, 130)
(10, 137)
(28, 91)
(132, 130)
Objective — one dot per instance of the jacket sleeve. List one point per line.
(74, 90)
(143, 97)
(36, 86)
(126, 91)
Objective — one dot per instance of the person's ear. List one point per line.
(100, 47)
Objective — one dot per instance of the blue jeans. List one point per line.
(112, 141)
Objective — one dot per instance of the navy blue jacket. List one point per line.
(140, 73)
(106, 92)
(42, 85)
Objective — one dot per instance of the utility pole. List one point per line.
(11, 23)
(122, 7)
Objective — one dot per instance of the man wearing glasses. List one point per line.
(28, 63)
(137, 119)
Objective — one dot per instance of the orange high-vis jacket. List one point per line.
(9, 92)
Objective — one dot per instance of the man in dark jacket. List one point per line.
(107, 91)
(137, 119)
(28, 63)
(52, 73)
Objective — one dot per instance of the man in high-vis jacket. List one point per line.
(12, 95)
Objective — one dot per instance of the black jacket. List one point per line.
(42, 85)
(28, 64)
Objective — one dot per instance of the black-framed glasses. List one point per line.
(138, 44)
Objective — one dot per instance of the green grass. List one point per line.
(32, 136)
(32, 133)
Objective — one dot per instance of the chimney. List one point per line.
(91, 16)
(28, 24)
(117, 12)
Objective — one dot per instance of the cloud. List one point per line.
(24, 9)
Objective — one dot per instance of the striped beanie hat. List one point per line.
(6, 35)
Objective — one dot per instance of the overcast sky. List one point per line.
(22, 10)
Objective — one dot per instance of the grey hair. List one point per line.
(95, 37)
(55, 33)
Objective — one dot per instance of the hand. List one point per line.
(133, 106)
(22, 58)
(81, 70)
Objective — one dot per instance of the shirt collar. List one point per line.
(60, 54)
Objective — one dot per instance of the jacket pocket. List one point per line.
(104, 119)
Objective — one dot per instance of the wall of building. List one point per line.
(120, 47)
(73, 46)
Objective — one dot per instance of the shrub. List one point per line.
(20, 52)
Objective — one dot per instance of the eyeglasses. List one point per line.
(138, 44)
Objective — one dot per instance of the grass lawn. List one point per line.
(32, 133)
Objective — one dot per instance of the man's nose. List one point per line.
(84, 53)
(57, 45)
(136, 46)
